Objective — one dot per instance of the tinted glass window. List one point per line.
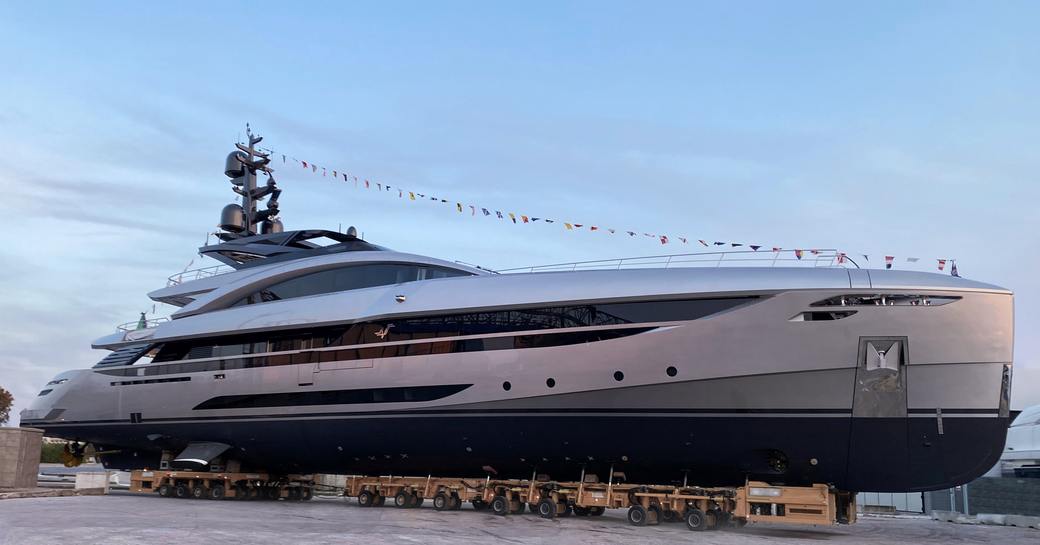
(450, 325)
(346, 278)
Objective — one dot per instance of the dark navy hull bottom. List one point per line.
(875, 454)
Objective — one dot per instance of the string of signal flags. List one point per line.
(474, 210)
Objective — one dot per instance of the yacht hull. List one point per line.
(885, 398)
(708, 450)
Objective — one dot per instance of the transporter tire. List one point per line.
(500, 506)
(580, 511)
(637, 515)
(479, 505)
(306, 493)
(712, 517)
(532, 507)
(547, 508)
(379, 501)
(454, 502)
(696, 520)
(216, 492)
(597, 511)
(653, 514)
(669, 516)
(165, 490)
(403, 500)
(440, 501)
(181, 491)
(199, 492)
(366, 499)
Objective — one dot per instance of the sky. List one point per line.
(880, 128)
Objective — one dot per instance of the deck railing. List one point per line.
(196, 274)
(135, 325)
(739, 258)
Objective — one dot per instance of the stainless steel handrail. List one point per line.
(133, 326)
(765, 258)
(196, 274)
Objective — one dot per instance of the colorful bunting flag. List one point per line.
(841, 257)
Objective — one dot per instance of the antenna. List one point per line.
(241, 166)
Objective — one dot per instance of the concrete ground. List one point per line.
(124, 518)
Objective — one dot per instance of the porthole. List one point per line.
(550, 382)
(671, 371)
(619, 376)
(506, 385)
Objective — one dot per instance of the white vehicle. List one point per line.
(1022, 450)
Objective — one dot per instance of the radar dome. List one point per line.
(271, 226)
(234, 168)
(232, 218)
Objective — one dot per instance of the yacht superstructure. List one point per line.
(349, 357)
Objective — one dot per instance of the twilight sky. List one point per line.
(885, 127)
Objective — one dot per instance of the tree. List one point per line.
(6, 400)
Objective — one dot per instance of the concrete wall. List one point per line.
(19, 457)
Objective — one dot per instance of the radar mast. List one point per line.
(241, 166)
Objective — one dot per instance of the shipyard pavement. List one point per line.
(123, 518)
